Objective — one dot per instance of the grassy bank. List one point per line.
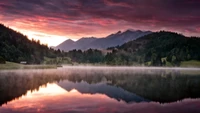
(11, 65)
(191, 63)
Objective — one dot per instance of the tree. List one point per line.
(188, 57)
(175, 61)
(164, 62)
(2, 60)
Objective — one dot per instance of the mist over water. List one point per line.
(96, 89)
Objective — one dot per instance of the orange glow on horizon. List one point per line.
(53, 33)
(50, 40)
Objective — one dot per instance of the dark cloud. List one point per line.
(176, 15)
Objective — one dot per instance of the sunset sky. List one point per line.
(53, 21)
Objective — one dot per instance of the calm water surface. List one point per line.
(100, 90)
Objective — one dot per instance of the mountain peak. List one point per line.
(69, 40)
(132, 30)
(88, 38)
(119, 32)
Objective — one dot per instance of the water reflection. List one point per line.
(102, 88)
(97, 90)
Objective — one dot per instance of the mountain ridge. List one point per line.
(111, 40)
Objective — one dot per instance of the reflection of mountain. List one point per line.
(102, 88)
(161, 86)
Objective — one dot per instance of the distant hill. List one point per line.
(116, 39)
(16, 47)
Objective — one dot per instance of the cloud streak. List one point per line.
(78, 18)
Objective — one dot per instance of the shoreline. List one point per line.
(15, 66)
(131, 67)
(12, 66)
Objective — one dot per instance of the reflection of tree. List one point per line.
(162, 86)
(14, 85)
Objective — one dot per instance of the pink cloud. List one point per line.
(77, 18)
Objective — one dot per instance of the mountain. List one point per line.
(16, 47)
(116, 39)
(80, 44)
(66, 44)
(84, 42)
(158, 85)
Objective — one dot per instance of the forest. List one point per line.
(16, 47)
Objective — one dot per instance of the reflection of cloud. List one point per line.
(79, 18)
(53, 99)
(45, 90)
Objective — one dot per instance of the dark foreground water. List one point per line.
(100, 90)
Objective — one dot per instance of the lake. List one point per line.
(79, 89)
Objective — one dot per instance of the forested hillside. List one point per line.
(16, 47)
(157, 48)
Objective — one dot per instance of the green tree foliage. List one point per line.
(89, 56)
(16, 47)
(153, 47)
(2, 60)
